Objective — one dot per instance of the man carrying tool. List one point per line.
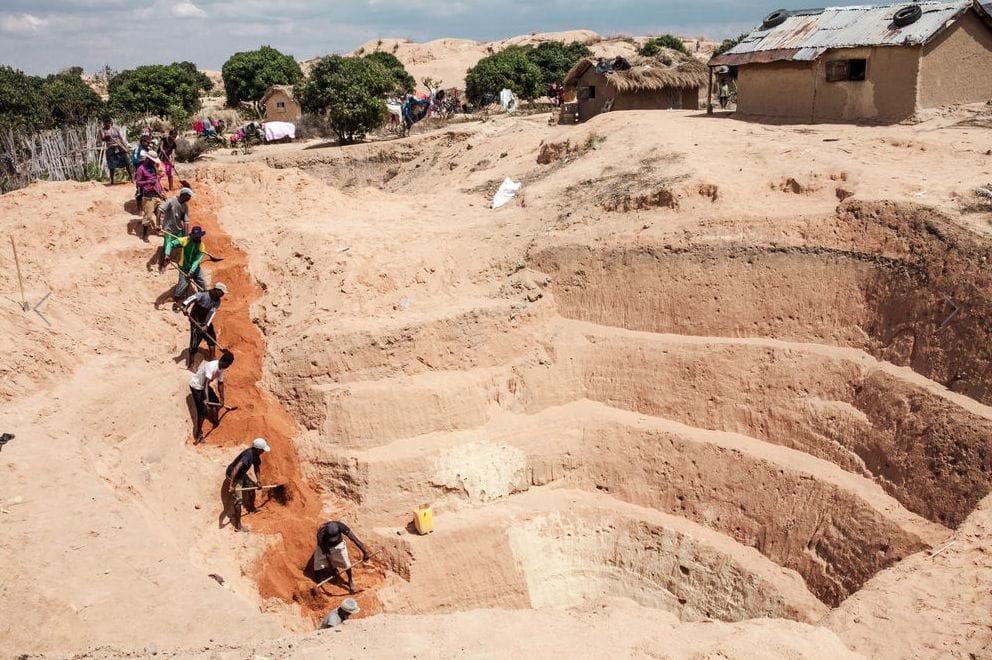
(191, 254)
(203, 394)
(333, 552)
(201, 308)
(238, 479)
(175, 216)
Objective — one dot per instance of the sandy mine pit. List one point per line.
(699, 391)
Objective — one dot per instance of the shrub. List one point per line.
(313, 126)
(507, 69)
(349, 91)
(249, 73)
(654, 45)
(405, 83)
(69, 99)
(555, 59)
(171, 90)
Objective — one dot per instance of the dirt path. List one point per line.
(280, 572)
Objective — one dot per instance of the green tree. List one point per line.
(727, 44)
(22, 102)
(350, 91)
(654, 45)
(249, 73)
(507, 69)
(405, 83)
(170, 90)
(69, 99)
(555, 59)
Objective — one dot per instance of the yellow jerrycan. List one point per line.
(423, 519)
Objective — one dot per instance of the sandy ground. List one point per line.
(403, 343)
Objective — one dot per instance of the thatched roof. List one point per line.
(285, 89)
(668, 69)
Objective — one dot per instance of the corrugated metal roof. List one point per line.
(807, 34)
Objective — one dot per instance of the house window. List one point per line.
(280, 104)
(586, 93)
(839, 70)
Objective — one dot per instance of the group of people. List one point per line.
(170, 216)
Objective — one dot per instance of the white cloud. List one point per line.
(187, 10)
(21, 23)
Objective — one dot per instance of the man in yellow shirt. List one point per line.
(191, 254)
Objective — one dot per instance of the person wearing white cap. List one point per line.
(175, 218)
(238, 479)
(201, 308)
(340, 614)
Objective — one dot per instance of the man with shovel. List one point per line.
(191, 254)
(333, 552)
(238, 479)
(175, 217)
(201, 308)
(203, 395)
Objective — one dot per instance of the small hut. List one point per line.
(280, 105)
(670, 80)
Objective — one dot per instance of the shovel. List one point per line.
(337, 573)
(229, 409)
(278, 491)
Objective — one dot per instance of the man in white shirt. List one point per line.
(199, 387)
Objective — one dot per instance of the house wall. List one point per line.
(888, 93)
(591, 107)
(957, 66)
(780, 90)
(291, 112)
(799, 91)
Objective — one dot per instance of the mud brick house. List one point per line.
(669, 80)
(280, 105)
(877, 64)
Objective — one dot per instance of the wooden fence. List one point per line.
(75, 152)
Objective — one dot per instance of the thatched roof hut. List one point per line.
(670, 80)
(280, 105)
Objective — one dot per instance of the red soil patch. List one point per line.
(280, 571)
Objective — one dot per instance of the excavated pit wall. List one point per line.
(800, 376)
(878, 277)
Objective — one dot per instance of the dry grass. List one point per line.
(668, 69)
(643, 188)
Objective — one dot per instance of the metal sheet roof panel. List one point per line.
(818, 30)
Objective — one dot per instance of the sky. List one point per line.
(44, 36)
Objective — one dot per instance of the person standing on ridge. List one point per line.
(203, 394)
(117, 148)
(237, 479)
(201, 308)
(333, 551)
(149, 192)
(167, 152)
